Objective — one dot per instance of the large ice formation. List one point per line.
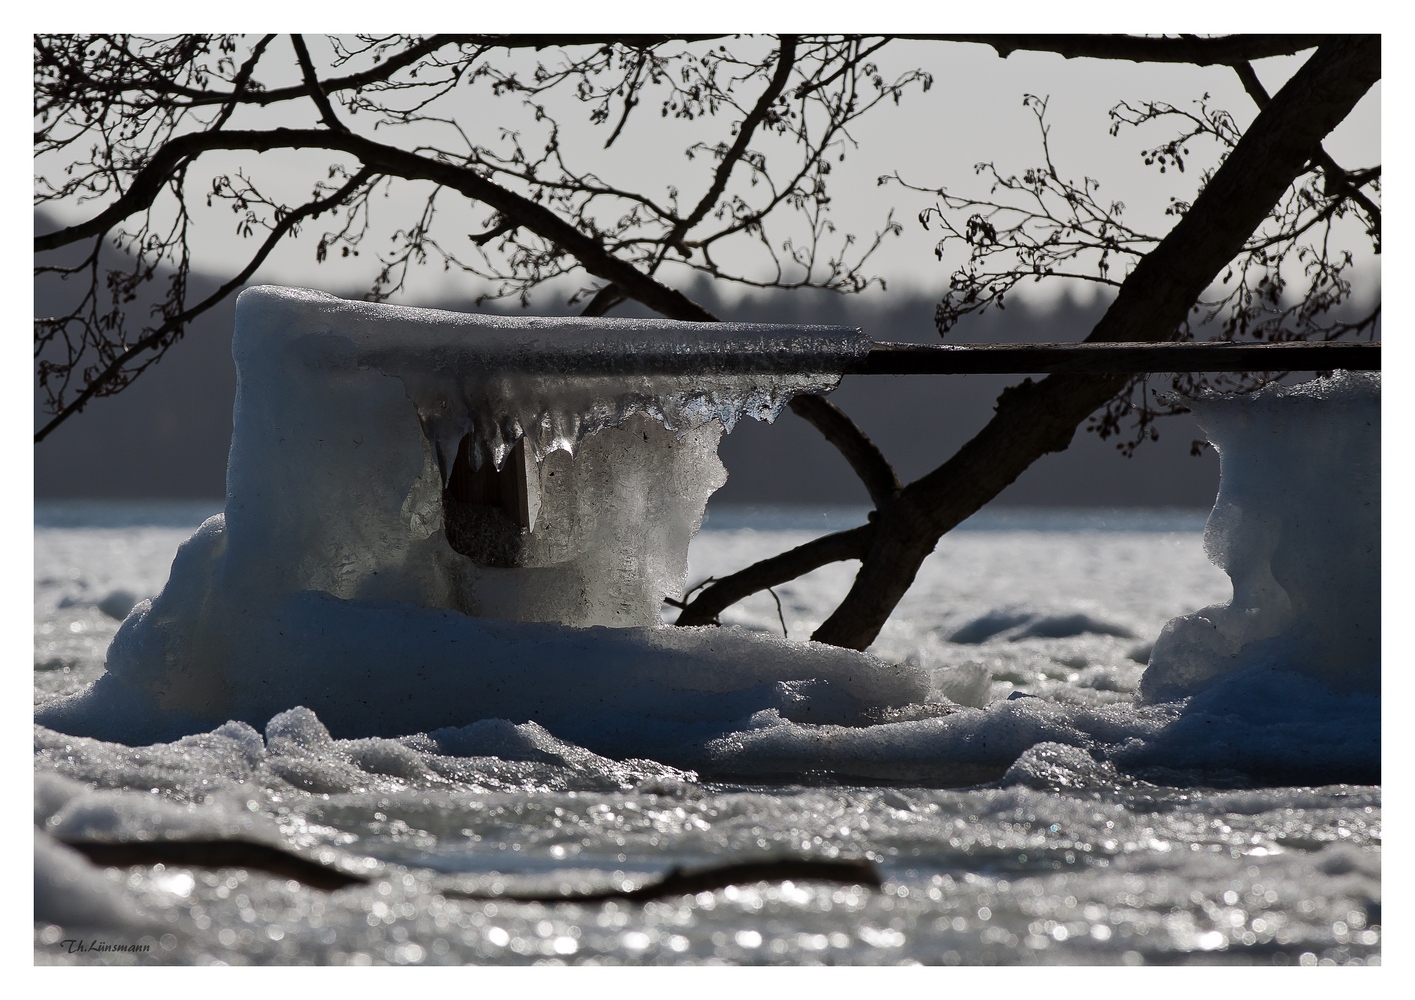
(365, 436)
(1297, 526)
(428, 514)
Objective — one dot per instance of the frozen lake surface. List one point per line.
(1116, 835)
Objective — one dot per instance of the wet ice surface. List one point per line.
(1061, 860)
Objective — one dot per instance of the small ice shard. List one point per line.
(968, 684)
(1297, 526)
(1052, 767)
(819, 702)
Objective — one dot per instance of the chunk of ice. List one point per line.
(330, 580)
(1297, 526)
(349, 417)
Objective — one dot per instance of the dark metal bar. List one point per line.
(1017, 359)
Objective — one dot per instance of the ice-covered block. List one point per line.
(429, 513)
(537, 469)
(1297, 526)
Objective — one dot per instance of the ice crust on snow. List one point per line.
(1060, 837)
(329, 582)
(1297, 526)
(385, 669)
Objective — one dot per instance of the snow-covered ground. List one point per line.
(1110, 832)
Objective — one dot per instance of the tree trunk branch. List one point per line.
(1226, 50)
(313, 86)
(1338, 179)
(398, 163)
(1034, 418)
(863, 455)
(837, 547)
(604, 300)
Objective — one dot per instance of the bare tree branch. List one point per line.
(786, 59)
(174, 325)
(723, 593)
(1339, 179)
(313, 87)
(396, 162)
(604, 300)
(243, 78)
(1225, 50)
(863, 455)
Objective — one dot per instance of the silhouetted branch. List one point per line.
(173, 325)
(604, 300)
(1337, 178)
(313, 86)
(396, 162)
(500, 229)
(727, 591)
(243, 78)
(786, 59)
(1225, 50)
(863, 455)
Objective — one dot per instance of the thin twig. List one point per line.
(780, 617)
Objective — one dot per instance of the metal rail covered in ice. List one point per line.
(579, 452)
(1098, 358)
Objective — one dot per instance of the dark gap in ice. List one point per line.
(215, 854)
(486, 510)
(678, 881)
(1014, 625)
(685, 882)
